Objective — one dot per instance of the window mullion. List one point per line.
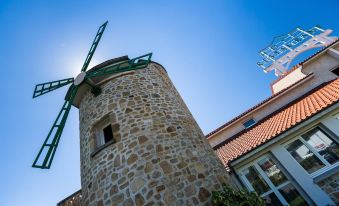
(267, 193)
(247, 183)
(270, 184)
(283, 184)
(323, 160)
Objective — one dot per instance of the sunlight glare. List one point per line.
(75, 63)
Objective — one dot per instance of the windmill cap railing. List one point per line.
(122, 66)
(109, 62)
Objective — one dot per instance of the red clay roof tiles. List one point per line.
(278, 122)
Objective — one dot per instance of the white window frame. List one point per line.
(273, 188)
(327, 166)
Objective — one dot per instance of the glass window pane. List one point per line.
(272, 171)
(304, 156)
(292, 196)
(272, 200)
(323, 145)
(256, 180)
(249, 123)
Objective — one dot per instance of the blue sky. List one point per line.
(209, 49)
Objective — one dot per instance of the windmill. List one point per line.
(46, 154)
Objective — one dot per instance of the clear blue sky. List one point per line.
(209, 49)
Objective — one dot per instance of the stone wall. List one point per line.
(72, 200)
(331, 187)
(160, 157)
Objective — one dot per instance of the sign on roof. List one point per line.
(283, 49)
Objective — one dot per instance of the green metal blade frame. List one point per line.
(41, 89)
(132, 64)
(59, 125)
(94, 46)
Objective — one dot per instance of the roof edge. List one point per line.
(284, 132)
(258, 106)
(272, 114)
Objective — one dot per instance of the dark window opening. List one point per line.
(336, 71)
(249, 123)
(108, 134)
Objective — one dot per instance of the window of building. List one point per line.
(266, 178)
(104, 135)
(336, 71)
(249, 123)
(107, 133)
(315, 151)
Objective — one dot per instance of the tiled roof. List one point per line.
(271, 97)
(278, 122)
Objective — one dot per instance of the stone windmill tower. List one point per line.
(139, 143)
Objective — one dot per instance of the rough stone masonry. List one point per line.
(160, 156)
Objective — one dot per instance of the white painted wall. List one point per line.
(333, 124)
(288, 80)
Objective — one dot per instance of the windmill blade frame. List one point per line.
(52, 140)
(48, 149)
(94, 46)
(43, 88)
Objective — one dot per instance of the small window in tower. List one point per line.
(104, 135)
(336, 71)
(108, 134)
(249, 123)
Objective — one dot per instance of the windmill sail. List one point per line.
(41, 89)
(46, 154)
(94, 46)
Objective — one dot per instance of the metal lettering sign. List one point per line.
(283, 49)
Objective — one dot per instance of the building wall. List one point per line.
(74, 199)
(160, 156)
(288, 80)
(322, 188)
(319, 67)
